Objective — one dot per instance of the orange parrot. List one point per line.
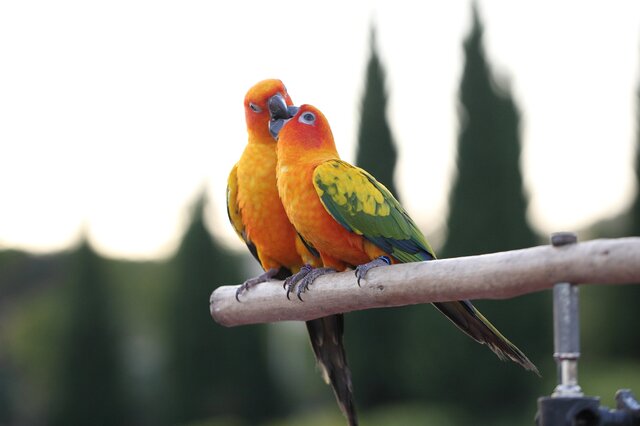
(257, 215)
(352, 220)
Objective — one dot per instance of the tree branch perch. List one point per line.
(492, 276)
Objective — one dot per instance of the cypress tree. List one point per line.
(376, 151)
(488, 214)
(487, 202)
(212, 370)
(625, 344)
(613, 340)
(635, 207)
(6, 386)
(89, 382)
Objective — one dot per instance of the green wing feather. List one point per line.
(363, 205)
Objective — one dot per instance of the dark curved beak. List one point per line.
(280, 113)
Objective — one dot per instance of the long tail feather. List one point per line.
(326, 340)
(464, 315)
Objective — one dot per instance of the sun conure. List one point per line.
(257, 214)
(352, 220)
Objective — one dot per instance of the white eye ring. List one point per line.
(307, 118)
(254, 107)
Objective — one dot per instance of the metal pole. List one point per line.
(566, 329)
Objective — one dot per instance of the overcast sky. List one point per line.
(115, 115)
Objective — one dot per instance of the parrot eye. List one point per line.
(307, 118)
(254, 107)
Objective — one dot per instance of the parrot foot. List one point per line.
(310, 278)
(304, 278)
(291, 281)
(361, 270)
(257, 280)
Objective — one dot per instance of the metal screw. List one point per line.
(559, 239)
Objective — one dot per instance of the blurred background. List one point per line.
(495, 124)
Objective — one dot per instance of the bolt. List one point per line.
(559, 239)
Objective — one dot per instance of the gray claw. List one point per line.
(291, 281)
(361, 270)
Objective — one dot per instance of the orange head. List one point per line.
(306, 133)
(256, 108)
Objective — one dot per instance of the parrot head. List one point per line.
(306, 130)
(256, 106)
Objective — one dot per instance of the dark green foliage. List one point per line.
(89, 386)
(377, 344)
(622, 343)
(615, 339)
(5, 396)
(376, 152)
(635, 208)
(211, 370)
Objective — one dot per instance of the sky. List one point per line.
(115, 116)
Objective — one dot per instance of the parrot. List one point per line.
(258, 217)
(352, 220)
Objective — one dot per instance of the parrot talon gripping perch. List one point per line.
(310, 278)
(290, 282)
(262, 278)
(361, 270)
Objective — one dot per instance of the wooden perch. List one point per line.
(492, 276)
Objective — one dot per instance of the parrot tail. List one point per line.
(464, 315)
(326, 340)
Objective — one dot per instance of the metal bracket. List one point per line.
(567, 405)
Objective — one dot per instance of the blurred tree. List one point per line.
(635, 207)
(614, 340)
(488, 214)
(5, 396)
(375, 342)
(621, 342)
(212, 370)
(89, 383)
(487, 203)
(376, 151)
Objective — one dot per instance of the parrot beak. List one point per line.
(280, 113)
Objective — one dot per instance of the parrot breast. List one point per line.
(265, 220)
